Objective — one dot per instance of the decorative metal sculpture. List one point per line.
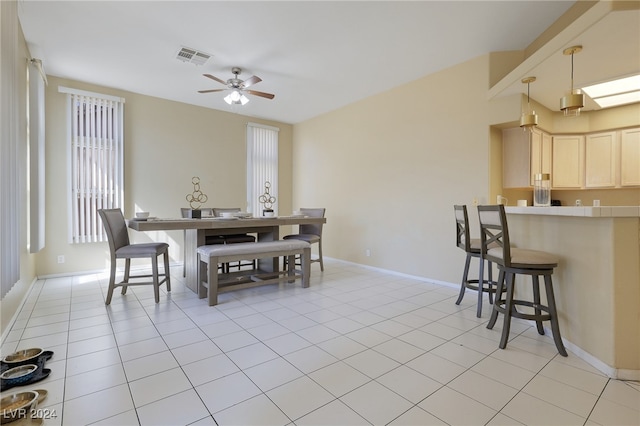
(197, 197)
(267, 199)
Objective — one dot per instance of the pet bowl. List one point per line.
(23, 356)
(17, 405)
(19, 375)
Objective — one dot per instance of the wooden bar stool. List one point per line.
(512, 261)
(471, 246)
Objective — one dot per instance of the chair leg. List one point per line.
(127, 269)
(555, 327)
(465, 276)
(480, 287)
(156, 282)
(490, 283)
(320, 254)
(498, 301)
(507, 311)
(112, 282)
(167, 272)
(536, 302)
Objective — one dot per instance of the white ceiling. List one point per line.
(315, 56)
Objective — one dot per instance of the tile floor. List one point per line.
(358, 347)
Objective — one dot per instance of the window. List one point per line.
(95, 158)
(262, 165)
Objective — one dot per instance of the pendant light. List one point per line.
(571, 103)
(529, 118)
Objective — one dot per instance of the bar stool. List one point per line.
(471, 246)
(512, 261)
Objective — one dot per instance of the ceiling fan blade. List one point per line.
(251, 81)
(215, 78)
(211, 91)
(261, 94)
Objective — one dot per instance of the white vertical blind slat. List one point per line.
(262, 164)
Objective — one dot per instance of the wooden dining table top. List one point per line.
(169, 224)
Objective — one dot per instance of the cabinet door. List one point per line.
(600, 160)
(540, 153)
(515, 158)
(630, 157)
(567, 161)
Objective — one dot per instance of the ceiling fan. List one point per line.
(237, 86)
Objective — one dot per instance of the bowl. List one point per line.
(19, 375)
(268, 214)
(23, 356)
(142, 215)
(17, 405)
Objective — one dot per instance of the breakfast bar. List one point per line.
(597, 281)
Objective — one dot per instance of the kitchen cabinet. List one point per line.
(600, 160)
(516, 156)
(567, 168)
(540, 153)
(630, 157)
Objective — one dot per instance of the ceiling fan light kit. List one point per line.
(529, 118)
(238, 86)
(573, 101)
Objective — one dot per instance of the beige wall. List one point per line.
(390, 168)
(166, 144)
(17, 58)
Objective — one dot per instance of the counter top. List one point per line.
(602, 211)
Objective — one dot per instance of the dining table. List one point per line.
(196, 231)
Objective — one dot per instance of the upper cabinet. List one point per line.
(540, 153)
(568, 161)
(600, 160)
(515, 158)
(630, 157)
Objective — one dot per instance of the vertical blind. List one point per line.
(262, 165)
(10, 141)
(96, 156)
(36, 156)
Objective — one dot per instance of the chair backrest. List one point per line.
(494, 231)
(116, 228)
(206, 211)
(313, 229)
(463, 240)
(217, 211)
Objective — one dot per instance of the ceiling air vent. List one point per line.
(186, 54)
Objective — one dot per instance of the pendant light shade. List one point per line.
(529, 118)
(572, 102)
(236, 98)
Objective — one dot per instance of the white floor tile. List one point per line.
(299, 397)
(227, 391)
(310, 359)
(103, 404)
(182, 408)
(153, 388)
(257, 411)
(376, 403)
(489, 392)
(533, 411)
(339, 378)
(209, 369)
(93, 381)
(251, 355)
(272, 374)
(149, 365)
(409, 384)
(334, 413)
(455, 408)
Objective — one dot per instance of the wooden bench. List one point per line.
(209, 257)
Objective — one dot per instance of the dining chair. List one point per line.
(513, 261)
(311, 233)
(235, 238)
(471, 247)
(209, 239)
(120, 248)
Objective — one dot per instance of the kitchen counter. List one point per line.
(597, 281)
(602, 211)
